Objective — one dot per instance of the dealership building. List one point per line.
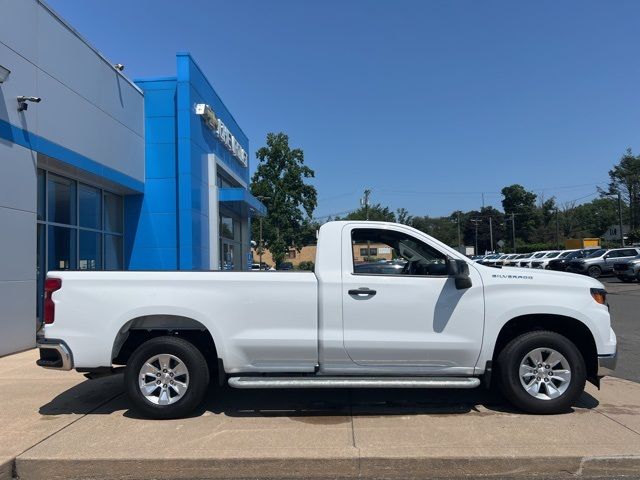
(98, 172)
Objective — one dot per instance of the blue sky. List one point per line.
(428, 103)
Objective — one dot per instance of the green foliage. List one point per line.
(634, 235)
(403, 216)
(625, 178)
(307, 265)
(376, 213)
(522, 204)
(279, 182)
(533, 247)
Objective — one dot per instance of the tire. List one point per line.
(594, 271)
(179, 388)
(551, 393)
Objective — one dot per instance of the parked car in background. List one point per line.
(514, 260)
(502, 259)
(561, 262)
(601, 261)
(627, 270)
(490, 259)
(286, 266)
(543, 262)
(526, 262)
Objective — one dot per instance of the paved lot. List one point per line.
(58, 425)
(624, 301)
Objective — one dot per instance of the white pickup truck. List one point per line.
(417, 315)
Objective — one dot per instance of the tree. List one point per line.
(625, 179)
(376, 213)
(279, 182)
(403, 216)
(522, 204)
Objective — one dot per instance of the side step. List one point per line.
(354, 382)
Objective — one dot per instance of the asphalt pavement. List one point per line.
(624, 301)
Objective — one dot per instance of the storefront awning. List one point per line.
(241, 201)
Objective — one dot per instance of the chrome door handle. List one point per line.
(363, 291)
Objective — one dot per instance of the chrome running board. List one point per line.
(353, 382)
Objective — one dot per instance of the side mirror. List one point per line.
(459, 270)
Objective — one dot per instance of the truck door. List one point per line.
(401, 310)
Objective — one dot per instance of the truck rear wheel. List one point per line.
(166, 377)
(542, 372)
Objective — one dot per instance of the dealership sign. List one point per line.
(222, 132)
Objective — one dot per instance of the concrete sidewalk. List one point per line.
(57, 425)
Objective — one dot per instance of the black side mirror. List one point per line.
(459, 270)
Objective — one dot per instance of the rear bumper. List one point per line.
(607, 363)
(54, 354)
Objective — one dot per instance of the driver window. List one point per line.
(387, 252)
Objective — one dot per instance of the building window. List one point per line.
(368, 252)
(230, 241)
(80, 227)
(291, 254)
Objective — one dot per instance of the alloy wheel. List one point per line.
(545, 373)
(163, 379)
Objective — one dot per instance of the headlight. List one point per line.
(599, 295)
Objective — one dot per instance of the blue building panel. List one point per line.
(161, 160)
(170, 224)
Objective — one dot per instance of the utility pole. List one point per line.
(459, 237)
(491, 232)
(476, 221)
(557, 230)
(365, 203)
(620, 218)
(513, 231)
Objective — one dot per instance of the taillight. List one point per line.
(50, 286)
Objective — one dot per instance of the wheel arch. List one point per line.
(145, 327)
(575, 330)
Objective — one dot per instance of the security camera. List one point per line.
(29, 99)
(119, 67)
(22, 102)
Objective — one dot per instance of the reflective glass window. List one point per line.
(89, 207)
(112, 213)
(61, 248)
(61, 200)
(113, 252)
(90, 250)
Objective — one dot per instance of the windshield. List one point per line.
(565, 254)
(526, 255)
(552, 255)
(539, 255)
(597, 253)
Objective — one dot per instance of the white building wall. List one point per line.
(90, 117)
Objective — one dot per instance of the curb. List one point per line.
(334, 467)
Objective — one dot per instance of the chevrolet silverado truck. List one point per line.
(435, 320)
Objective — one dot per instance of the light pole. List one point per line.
(476, 221)
(491, 232)
(513, 230)
(557, 231)
(459, 237)
(620, 218)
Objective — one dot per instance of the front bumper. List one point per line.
(54, 354)
(607, 363)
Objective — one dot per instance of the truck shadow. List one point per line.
(106, 396)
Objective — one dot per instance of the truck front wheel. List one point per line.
(542, 372)
(166, 377)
